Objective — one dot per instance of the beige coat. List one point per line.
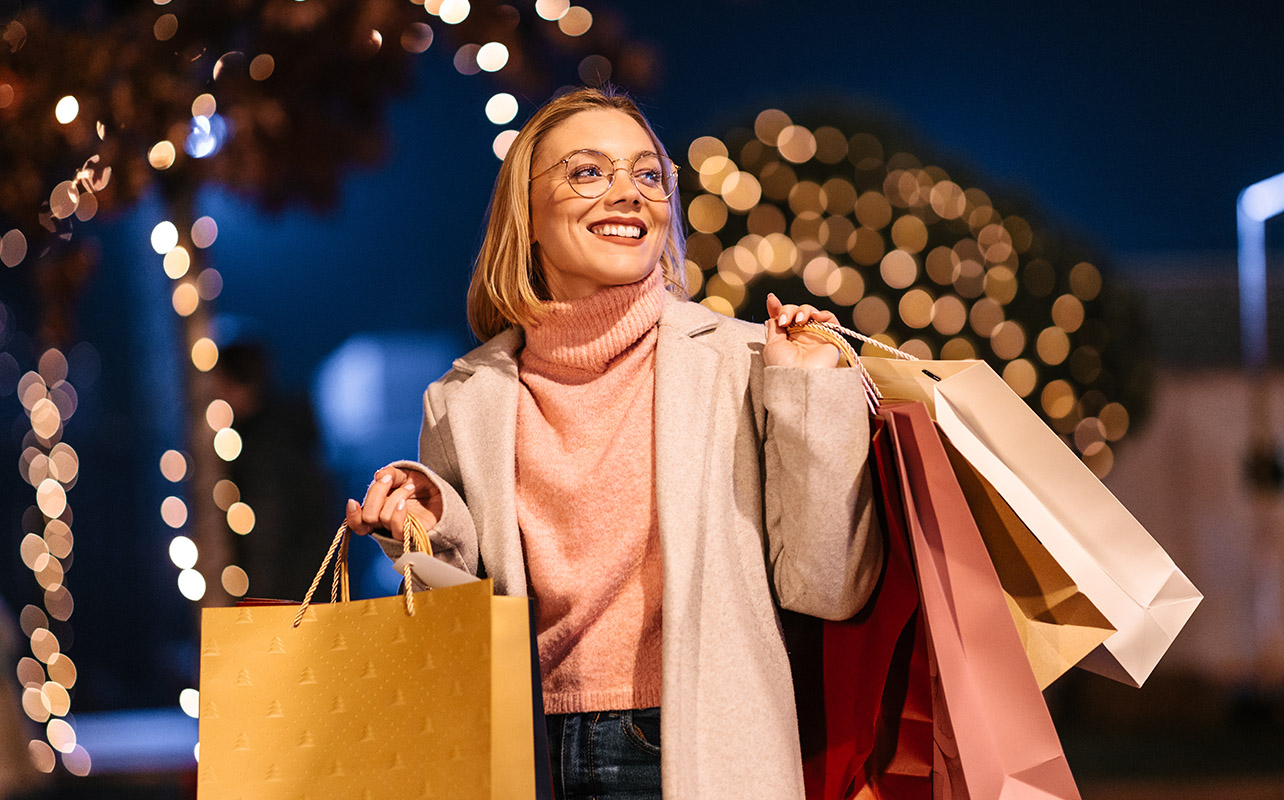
(763, 499)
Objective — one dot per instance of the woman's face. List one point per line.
(586, 244)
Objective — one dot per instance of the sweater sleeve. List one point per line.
(824, 547)
(454, 537)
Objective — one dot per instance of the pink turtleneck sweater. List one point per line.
(586, 497)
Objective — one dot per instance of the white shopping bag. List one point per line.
(1102, 547)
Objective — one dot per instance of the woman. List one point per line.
(658, 476)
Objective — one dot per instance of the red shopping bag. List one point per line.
(862, 685)
(994, 737)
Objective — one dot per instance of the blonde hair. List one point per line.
(507, 289)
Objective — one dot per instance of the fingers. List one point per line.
(782, 315)
(385, 502)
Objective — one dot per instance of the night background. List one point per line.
(350, 202)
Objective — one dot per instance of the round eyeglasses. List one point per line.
(591, 174)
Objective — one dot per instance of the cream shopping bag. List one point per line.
(1104, 550)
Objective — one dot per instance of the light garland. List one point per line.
(915, 259)
(51, 466)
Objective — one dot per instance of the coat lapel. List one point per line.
(484, 425)
(686, 376)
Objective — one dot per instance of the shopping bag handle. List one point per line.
(833, 333)
(414, 539)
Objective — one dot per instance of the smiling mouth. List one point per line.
(620, 231)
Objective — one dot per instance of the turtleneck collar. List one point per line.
(588, 333)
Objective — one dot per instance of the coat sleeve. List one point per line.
(454, 537)
(824, 547)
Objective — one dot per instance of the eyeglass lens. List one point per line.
(591, 173)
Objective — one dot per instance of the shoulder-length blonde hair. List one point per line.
(506, 288)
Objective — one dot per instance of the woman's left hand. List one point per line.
(801, 349)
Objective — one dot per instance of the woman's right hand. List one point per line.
(395, 493)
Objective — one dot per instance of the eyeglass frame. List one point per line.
(614, 169)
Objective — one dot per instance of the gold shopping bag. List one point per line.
(1057, 623)
(423, 696)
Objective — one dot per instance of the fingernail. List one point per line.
(351, 504)
(386, 479)
(409, 487)
(784, 320)
(799, 316)
(401, 504)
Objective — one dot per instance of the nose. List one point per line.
(622, 190)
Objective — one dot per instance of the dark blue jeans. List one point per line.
(606, 755)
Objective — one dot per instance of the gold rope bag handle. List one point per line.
(414, 539)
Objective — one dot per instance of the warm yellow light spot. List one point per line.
(45, 418)
(958, 349)
(87, 207)
(1007, 340)
(807, 197)
(1085, 281)
(1067, 313)
(62, 670)
(1089, 434)
(56, 698)
(204, 354)
(59, 538)
(778, 253)
(703, 148)
(263, 65)
(453, 12)
(63, 200)
(576, 21)
(235, 581)
(34, 704)
(796, 144)
(240, 518)
(227, 444)
(909, 233)
(492, 56)
(851, 287)
(35, 554)
(164, 237)
(1053, 346)
(501, 108)
(42, 755)
(44, 645)
(64, 463)
(768, 125)
(161, 155)
(741, 191)
(916, 308)
(502, 142)
(226, 493)
(552, 10)
(183, 552)
(218, 415)
(66, 109)
(185, 299)
(816, 274)
(204, 232)
(1057, 399)
(1021, 376)
(867, 247)
(831, 145)
(191, 584)
(58, 601)
(707, 213)
(1101, 460)
(840, 196)
(949, 315)
(765, 219)
(727, 285)
(174, 512)
(695, 277)
(985, 316)
(871, 316)
(1000, 285)
(177, 262)
(719, 304)
(995, 243)
(873, 210)
(51, 499)
(164, 29)
(947, 200)
(1114, 421)
(899, 269)
(189, 700)
(204, 105)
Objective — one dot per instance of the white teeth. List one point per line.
(627, 231)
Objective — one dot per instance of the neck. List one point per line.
(588, 333)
